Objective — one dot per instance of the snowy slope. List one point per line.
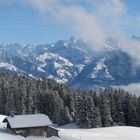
(111, 68)
(8, 66)
(57, 67)
(100, 71)
(111, 133)
(62, 60)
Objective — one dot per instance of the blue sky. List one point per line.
(133, 6)
(24, 23)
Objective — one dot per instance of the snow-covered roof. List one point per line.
(25, 121)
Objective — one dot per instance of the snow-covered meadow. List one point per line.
(71, 132)
(110, 133)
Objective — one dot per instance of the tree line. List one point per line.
(88, 109)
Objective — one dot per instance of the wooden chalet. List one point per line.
(30, 125)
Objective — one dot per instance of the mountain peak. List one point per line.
(72, 40)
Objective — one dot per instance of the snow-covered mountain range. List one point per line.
(70, 61)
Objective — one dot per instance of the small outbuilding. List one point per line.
(30, 125)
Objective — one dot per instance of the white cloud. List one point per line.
(95, 22)
(106, 19)
(88, 28)
(43, 5)
(132, 88)
(132, 47)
